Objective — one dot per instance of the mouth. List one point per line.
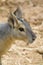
(31, 40)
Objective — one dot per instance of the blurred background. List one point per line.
(21, 54)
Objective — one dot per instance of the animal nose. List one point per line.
(33, 38)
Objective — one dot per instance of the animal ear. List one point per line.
(18, 13)
(12, 20)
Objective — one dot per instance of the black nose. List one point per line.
(34, 37)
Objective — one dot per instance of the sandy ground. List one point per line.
(20, 53)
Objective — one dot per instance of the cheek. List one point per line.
(19, 35)
(24, 35)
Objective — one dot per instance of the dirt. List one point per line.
(20, 53)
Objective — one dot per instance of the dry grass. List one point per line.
(21, 53)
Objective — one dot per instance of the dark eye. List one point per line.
(21, 29)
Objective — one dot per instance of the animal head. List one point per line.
(20, 27)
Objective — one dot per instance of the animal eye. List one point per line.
(21, 29)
